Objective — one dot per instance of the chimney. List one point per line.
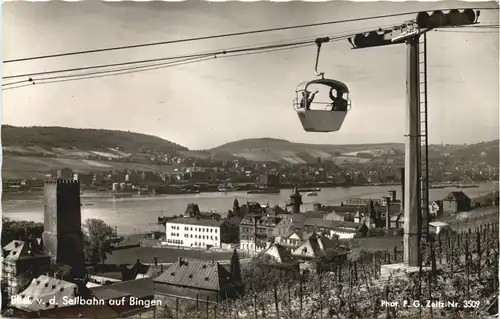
(392, 195)
(180, 261)
(155, 261)
(402, 188)
(387, 212)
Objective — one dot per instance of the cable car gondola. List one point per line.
(331, 118)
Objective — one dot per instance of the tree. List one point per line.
(260, 273)
(61, 271)
(235, 269)
(97, 235)
(235, 266)
(20, 230)
(25, 278)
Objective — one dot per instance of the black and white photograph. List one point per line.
(250, 160)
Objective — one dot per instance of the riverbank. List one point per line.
(208, 188)
(212, 188)
(140, 214)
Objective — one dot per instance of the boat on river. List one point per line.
(309, 189)
(467, 186)
(226, 188)
(269, 190)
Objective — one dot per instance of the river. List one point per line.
(139, 214)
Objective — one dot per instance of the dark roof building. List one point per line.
(100, 309)
(140, 270)
(22, 258)
(289, 224)
(456, 202)
(279, 256)
(344, 229)
(195, 279)
(139, 288)
(319, 247)
(192, 209)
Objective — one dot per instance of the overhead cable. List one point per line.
(226, 35)
(192, 55)
(101, 74)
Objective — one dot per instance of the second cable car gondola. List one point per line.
(333, 113)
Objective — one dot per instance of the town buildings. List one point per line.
(61, 243)
(270, 180)
(196, 229)
(319, 252)
(331, 228)
(195, 280)
(196, 232)
(456, 202)
(256, 231)
(22, 261)
(292, 223)
(37, 296)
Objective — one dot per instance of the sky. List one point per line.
(206, 104)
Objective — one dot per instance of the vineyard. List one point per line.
(461, 282)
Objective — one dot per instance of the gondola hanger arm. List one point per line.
(319, 42)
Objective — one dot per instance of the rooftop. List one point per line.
(140, 288)
(263, 221)
(456, 196)
(438, 224)
(44, 289)
(196, 273)
(317, 246)
(18, 249)
(279, 255)
(319, 222)
(209, 222)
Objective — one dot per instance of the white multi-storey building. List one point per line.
(196, 232)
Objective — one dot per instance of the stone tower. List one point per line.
(62, 236)
(295, 201)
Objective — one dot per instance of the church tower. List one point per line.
(295, 201)
(62, 236)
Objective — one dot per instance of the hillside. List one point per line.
(27, 167)
(278, 150)
(31, 152)
(484, 151)
(54, 140)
